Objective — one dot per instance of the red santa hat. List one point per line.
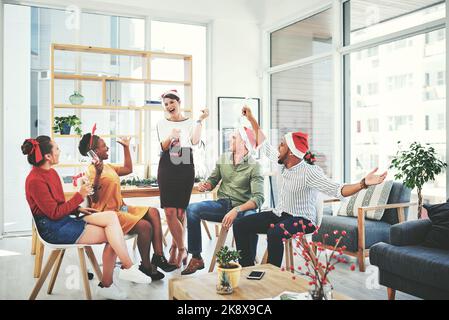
(298, 143)
(248, 137)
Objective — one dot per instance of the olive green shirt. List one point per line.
(239, 183)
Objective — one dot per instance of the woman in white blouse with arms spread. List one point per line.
(176, 172)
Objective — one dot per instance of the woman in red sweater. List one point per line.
(52, 216)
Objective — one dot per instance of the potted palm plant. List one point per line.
(63, 125)
(417, 166)
(228, 267)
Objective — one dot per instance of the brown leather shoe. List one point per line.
(193, 266)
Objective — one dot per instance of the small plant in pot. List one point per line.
(416, 166)
(228, 268)
(63, 125)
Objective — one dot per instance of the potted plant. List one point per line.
(417, 166)
(224, 285)
(227, 263)
(318, 263)
(76, 98)
(63, 125)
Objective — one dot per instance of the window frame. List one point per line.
(339, 53)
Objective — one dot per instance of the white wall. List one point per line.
(235, 65)
(16, 111)
(187, 10)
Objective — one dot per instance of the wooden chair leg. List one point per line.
(206, 228)
(93, 261)
(55, 271)
(391, 294)
(217, 230)
(48, 266)
(38, 258)
(361, 260)
(220, 242)
(33, 239)
(265, 257)
(83, 270)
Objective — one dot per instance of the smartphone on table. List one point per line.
(256, 275)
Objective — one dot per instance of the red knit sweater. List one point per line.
(45, 195)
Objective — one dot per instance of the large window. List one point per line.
(27, 91)
(302, 93)
(300, 101)
(302, 39)
(367, 19)
(395, 90)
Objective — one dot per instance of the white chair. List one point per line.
(55, 259)
(37, 248)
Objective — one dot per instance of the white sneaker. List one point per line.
(134, 274)
(113, 292)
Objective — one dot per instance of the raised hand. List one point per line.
(372, 178)
(124, 141)
(246, 112)
(204, 114)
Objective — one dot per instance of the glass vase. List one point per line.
(317, 292)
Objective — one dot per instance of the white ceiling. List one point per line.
(257, 11)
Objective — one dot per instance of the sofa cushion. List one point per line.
(327, 210)
(375, 231)
(422, 264)
(373, 196)
(398, 194)
(438, 236)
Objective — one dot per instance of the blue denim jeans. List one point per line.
(210, 211)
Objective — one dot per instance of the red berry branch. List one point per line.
(316, 271)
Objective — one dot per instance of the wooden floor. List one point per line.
(16, 266)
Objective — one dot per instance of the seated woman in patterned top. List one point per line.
(143, 221)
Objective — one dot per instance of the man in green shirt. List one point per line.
(240, 193)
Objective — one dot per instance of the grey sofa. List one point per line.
(407, 266)
(362, 233)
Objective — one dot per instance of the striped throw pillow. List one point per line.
(373, 196)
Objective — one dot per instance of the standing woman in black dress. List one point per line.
(176, 173)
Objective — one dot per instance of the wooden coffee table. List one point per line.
(273, 283)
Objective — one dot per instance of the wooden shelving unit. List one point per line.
(141, 110)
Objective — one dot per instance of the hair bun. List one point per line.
(27, 147)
